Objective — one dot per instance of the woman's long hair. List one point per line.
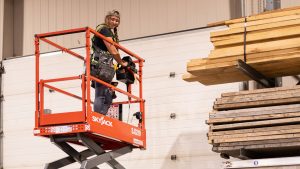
(116, 34)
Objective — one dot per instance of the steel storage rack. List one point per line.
(267, 163)
(105, 138)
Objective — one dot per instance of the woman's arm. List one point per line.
(113, 50)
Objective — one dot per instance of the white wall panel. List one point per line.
(184, 136)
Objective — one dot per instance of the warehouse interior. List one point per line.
(220, 82)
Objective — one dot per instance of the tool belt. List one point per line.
(101, 64)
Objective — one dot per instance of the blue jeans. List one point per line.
(103, 98)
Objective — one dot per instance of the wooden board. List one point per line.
(262, 91)
(253, 135)
(252, 118)
(209, 65)
(257, 47)
(189, 77)
(255, 138)
(259, 146)
(259, 97)
(273, 102)
(265, 21)
(248, 33)
(233, 59)
(273, 67)
(255, 111)
(279, 97)
(220, 23)
(261, 150)
(259, 142)
(264, 123)
(266, 35)
(234, 31)
(272, 48)
(254, 130)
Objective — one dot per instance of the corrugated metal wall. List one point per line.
(1, 26)
(289, 3)
(139, 17)
(253, 7)
(258, 6)
(8, 31)
(184, 136)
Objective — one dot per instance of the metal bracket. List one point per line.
(174, 157)
(254, 74)
(225, 156)
(172, 75)
(82, 157)
(172, 115)
(281, 162)
(2, 70)
(245, 154)
(297, 78)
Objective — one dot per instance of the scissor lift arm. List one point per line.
(81, 157)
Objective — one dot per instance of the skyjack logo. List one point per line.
(102, 121)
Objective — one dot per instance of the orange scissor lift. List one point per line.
(105, 138)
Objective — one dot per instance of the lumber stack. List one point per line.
(265, 122)
(269, 41)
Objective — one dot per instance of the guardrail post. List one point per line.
(87, 63)
(37, 77)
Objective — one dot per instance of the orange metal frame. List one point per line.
(98, 126)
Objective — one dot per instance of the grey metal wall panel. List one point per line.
(8, 28)
(139, 17)
(44, 22)
(29, 21)
(18, 27)
(1, 27)
(253, 7)
(289, 3)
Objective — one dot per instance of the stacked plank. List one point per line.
(264, 121)
(270, 41)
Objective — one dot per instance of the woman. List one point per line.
(104, 95)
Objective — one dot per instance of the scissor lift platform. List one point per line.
(105, 138)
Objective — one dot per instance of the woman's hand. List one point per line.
(136, 76)
(124, 64)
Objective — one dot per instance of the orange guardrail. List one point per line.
(85, 115)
